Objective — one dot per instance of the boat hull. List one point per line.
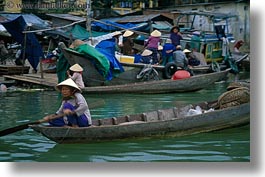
(193, 83)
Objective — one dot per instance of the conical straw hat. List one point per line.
(76, 68)
(128, 33)
(186, 51)
(156, 33)
(68, 82)
(146, 52)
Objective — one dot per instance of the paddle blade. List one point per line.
(17, 128)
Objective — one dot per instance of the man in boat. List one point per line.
(74, 108)
(180, 58)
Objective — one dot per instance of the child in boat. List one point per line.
(76, 75)
(74, 107)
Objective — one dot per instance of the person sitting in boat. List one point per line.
(192, 60)
(238, 45)
(146, 57)
(180, 58)
(74, 107)
(127, 48)
(153, 43)
(75, 73)
(167, 52)
(118, 39)
(175, 36)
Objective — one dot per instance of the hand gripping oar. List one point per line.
(25, 126)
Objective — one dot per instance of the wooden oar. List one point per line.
(26, 125)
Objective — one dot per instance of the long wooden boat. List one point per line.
(174, 121)
(193, 83)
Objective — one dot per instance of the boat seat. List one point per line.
(166, 114)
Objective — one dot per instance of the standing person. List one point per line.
(175, 36)
(74, 107)
(195, 41)
(179, 58)
(127, 48)
(75, 74)
(167, 52)
(153, 43)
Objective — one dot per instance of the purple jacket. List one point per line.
(153, 42)
(175, 38)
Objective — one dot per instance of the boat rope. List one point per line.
(66, 133)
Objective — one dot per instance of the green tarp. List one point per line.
(78, 32)
(98, 59)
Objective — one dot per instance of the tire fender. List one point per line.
(169, 70)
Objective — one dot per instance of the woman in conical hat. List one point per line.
(146, 56)
(152, 44)
(74, 107)
(127, 48)
(75, 74)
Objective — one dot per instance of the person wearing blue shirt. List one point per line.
(167, 52)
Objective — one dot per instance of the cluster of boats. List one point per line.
(175, 121)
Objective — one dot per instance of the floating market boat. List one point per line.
(176, 121)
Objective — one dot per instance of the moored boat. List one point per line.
(193, 83)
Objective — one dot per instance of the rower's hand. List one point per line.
(68, 112)
(47, 118)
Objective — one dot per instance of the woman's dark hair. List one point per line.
(174, 27)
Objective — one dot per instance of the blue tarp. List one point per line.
(107, 48)
(33, 48)
(29, 19)
(113, 26)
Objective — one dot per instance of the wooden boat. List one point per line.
(193, 83)
(174, 121)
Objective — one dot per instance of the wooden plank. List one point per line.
(11, 69)
(49, 80)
